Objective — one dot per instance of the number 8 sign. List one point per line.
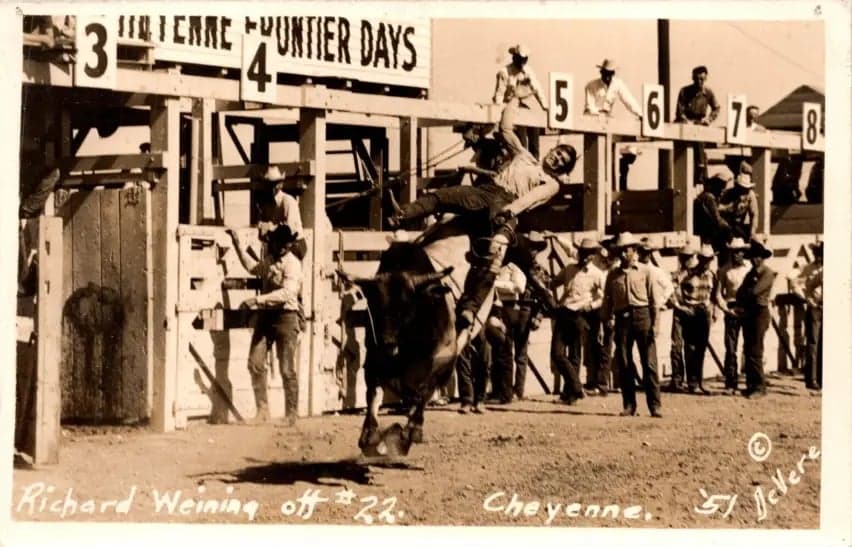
(653, 96)
(95, 64)
(812, 138)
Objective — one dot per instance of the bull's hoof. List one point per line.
(390, 443)
(415, 434)
(368, 438)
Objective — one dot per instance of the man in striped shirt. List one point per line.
(696, 315)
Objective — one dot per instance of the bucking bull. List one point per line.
(411, 338)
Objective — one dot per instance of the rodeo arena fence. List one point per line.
(135, 317)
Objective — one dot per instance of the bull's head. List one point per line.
(393, 299)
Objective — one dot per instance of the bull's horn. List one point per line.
(422, 279)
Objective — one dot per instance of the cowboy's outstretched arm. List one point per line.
(537, 196)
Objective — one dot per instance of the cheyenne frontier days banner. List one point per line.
(393, 52)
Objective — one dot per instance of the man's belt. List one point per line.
(518, 303)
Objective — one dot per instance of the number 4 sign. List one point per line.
(259, 70)
(95, 64)
(653, 96)
(735, 131)
(560, 115)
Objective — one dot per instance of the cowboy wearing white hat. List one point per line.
(632, 301)
(516, 83)
(576, 324)
(738, 205)
(695, 312)
(601, 93)
(752, 307)
(685, 255)
(808, 286)
(284, 209)
(731, 277)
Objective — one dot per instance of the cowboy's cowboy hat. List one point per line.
(758, 248)
(521, 50)
(274, 174)
(706, 253)
(817, 246)
(738, 244)
(608, 65)
(536, 240)
(625, 239)
(587, 245)
(631, 150)
(688, 250)
(649, 244)
(744, 176)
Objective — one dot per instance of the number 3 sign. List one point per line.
(259, 70)
(95, 64)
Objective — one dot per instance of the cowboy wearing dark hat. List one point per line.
(576, 324)
(632, 300)
(752, 307)
(731, 276)
(809, 287)
(280, 272)
(695, 310)
(707, 222)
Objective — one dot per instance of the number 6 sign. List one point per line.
(653, 96)
(560, 115)
(95, 64)
(259, 70)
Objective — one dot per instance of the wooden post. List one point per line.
(203, 109)
(312, 146)
(408, 159)
(165, 139)
(260, 155)
(683, 187)
(594, 180)
(48, 396)
(196, 208)
(761, 161)
(378, 155)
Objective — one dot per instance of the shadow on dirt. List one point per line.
(330, 473)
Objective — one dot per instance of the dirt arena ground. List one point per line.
(555, 455)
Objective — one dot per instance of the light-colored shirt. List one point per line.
(286, 211)
(582, 287)
(809, 283)
(628, 287)
(282, 282)
(601, 98)
(663, 280)
(510, 283)
(730, 279)
(516, 83)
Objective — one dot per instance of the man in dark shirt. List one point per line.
(708, 223)
(696, 104)
(752, 307)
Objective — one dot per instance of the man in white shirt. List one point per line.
(602, 93)
(281, 321)
(284, 210)
(516, 83)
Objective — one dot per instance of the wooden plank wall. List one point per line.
(105, 306)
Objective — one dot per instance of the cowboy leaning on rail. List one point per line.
(520, 184)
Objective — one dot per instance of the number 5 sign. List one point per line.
(259, 70)
(653, 96)
(95, 64)
(812, 138)
(560, 115)
(735, 131)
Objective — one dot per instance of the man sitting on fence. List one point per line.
(491, 207)
(280, 319)
(284, 210)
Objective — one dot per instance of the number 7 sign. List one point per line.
(736, 131)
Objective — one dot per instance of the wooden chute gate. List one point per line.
(178, 285)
